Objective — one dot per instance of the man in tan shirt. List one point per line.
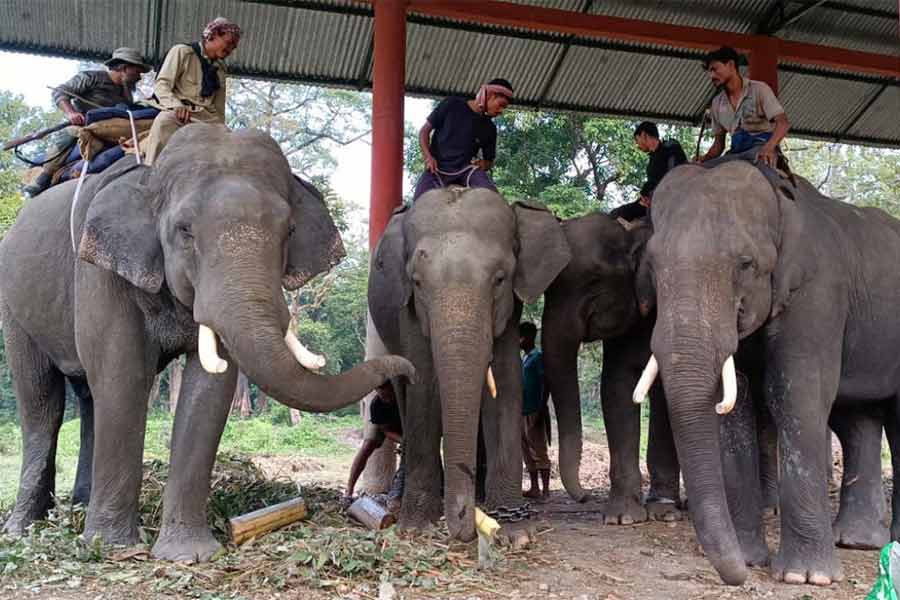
(190, 85)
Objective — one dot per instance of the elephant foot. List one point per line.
(820, 570)
(517, 535)
(754, 548)
(862, 533)
(16, 525)
(114, 534)
(187, 546)
(663, 509)
(81, 495)
(624, 510)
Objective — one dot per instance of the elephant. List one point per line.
(733, 255)
(170, 260)
(594, 298)
(445, 290)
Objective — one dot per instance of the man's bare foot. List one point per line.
(532, 493)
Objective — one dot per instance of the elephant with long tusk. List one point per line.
(188, 257)
(729, 384)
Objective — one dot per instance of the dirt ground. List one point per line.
(577, 557)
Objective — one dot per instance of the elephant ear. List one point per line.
(645, 290)
(120, 228)
(316, 246)
(796, 264)
(543, 250)
(389, 286)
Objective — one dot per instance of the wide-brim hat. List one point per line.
(130, 56)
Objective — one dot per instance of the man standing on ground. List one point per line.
(745, 108)
(535, 413)
(664, 156)
(190, 85)
(454, 134)
(83, 92)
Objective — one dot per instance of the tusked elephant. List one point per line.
(171, 260)
(445, 290)
(594, 298)
(817, 279)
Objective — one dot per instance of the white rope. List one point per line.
(134, 138)
(84, 170)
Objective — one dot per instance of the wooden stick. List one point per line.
(264, 520)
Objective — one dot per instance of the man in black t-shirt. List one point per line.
(454, 134)
(664, 156)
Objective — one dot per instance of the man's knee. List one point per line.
(480, 179)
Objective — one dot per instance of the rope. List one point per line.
(84, 171)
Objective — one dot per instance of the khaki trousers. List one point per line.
(164, 127)
(534, 441)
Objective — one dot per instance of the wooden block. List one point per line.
(264, 520)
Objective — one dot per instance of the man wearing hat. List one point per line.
(745, 108)
(454, 134)
(84, 91)
(190, 85)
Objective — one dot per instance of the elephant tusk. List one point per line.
(646, 380)
(729, 387)
(209, 355)
(492, 385)
(307, 359)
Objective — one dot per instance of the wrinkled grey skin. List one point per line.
(208, 236)
(444, 291)
(819, 281)
(594, 299)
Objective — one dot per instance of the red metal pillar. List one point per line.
(764, 62)
(388, 80)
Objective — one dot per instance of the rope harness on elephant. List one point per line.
(84, 170)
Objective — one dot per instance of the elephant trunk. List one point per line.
(691, 355)
(561, 368)
(461, 345)
(253, 330)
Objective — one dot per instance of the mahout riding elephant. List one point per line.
(594, 298)
(170, 260)
(445, 290)
(817, 279)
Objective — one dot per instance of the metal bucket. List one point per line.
(370, 513)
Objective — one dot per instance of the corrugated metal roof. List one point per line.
(330, 42)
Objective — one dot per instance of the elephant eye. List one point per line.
(745, 262)
(291, 230)
(184, 230)
(499, 278)
(417, 280)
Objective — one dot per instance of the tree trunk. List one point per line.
(382, 464)
(175, 372)
(262, 401)
(295, 417)
(153, 398)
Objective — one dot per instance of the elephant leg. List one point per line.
(662, 462)
(81, 492)
(892, 430)
(740, 466)
(502, 422)
(121, 366)
(422, 503)
(203, 405)
(860, 520)
(802, 382)
(40, 393)
(622, 419)
(767, 436)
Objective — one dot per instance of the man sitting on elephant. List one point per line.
(745, 108)
(190, 85)
(462, 128)
(664, 156)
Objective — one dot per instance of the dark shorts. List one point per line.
(472, 178)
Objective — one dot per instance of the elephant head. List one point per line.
(221, 224)
(458, 261)
(723, 260)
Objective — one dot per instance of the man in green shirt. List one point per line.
(535, 414)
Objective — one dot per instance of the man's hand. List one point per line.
(75, 118)
(645, 201)
(183, 115)
(430, 163)
(767, 155)
(484, 165)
